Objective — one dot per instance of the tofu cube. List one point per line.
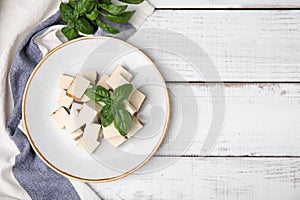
(110, 131)
(115, 81)
(78, 87)
(64, 99)
(89, 112)
(136, 126)
(123, 72)
(102, 81)
(136, 99)
(65, 81)
(60, 117)
(115, 138)
(92, 132)
(88, 145)
(89, 75)
(113, 135)
(117, 141)
(74, 122)
(90, 139)
(77, 134)
(76, 106)
(85, 98)
(130, 108)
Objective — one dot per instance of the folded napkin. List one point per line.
(38, 180)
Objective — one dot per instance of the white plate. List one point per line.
(55, 146)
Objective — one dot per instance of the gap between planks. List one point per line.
(233, 82)
(242, 9)
(228, 4)
(225, 156)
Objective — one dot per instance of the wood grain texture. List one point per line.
(260, 120)
(211, 178)
(248, 46)
(225, 4)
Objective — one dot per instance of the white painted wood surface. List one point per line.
(247, 45)
(260, 120)
(211, 178)
(257, 154)
(225, 4)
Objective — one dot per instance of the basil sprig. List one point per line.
(84, 15)
(113, 110)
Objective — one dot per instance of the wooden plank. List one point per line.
(248, 46)
(210, 178)
(260, 120)
(225, 4)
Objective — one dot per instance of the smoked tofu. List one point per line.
(78, 87)
(60, 117)
(89, 112)
(136, 99)
(115, 81)
(123, 72)
(102, 81)
(65, 82)
(64, 99)
(90, 75)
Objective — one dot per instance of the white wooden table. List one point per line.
(255, 46)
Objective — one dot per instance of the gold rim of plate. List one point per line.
(42, 156)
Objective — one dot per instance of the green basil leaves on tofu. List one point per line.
(122, 121)
(84, 16)
(113, 110)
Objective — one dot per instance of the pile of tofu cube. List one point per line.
(81, 116)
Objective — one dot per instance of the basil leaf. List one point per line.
(113, 9)
(71, 24)
(106, 27)
(66, 12)
(72, 3)
(92, 15)
(84, 26)
(107, 2)
(132, 1)
(117, 104)
(106, 115)
(98, 93)
(85, 6)
(120, 18)
(70, 33)
(122, 121)
(122, 92)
